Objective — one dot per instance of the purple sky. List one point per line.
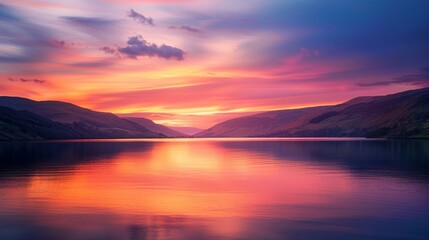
(195, 63)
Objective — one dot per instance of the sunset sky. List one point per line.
(198, 62)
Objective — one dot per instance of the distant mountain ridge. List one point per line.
(187, 130)
(22, 118)
(400, 115)
(149, 124)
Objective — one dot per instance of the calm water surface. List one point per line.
(215, 189)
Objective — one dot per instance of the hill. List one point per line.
(61, 120)
(400, 115)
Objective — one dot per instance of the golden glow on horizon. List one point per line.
(190, 111)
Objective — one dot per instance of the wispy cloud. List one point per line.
(94, 64)
(137, 47)
(186, 28)
(420, 78)
(89, 23)
(26, 80)
(22, 41)
(140, 18)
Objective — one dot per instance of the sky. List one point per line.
(198, 62)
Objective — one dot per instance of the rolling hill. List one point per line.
(400, 115)
(61, 120)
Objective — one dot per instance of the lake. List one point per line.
(214, 189)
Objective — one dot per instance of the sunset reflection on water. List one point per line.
(206, 189)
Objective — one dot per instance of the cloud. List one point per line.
(109, 50)
(94, 64)
(140, 18)
(25, 80)
(138, 47)
(186, 28)
(420, 78)
(62, 43)
(22, 41)
(92, 25)
(392, 42)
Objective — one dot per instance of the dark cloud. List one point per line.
(90, 23)
(94, 64)
(186, 28)
(38, 81)
(62, 43)
(138, 47)
(420, 78)
(140, 18)
(109, 50)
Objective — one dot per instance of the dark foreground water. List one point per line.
(215, 189)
